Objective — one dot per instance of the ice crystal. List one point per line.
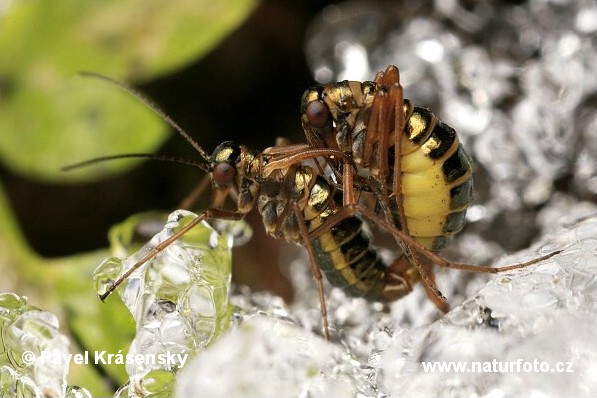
(179, 299)
(34, 355)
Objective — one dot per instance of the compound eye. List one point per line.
(317, 113)
(223, 173)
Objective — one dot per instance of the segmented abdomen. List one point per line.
(437, 184)
(436, 172)
(344, 252)
(437, 188)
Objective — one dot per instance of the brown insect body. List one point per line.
(391, 163)
(410, 165)
(428, 163)
(344, 251)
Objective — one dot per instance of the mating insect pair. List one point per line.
(370, 156)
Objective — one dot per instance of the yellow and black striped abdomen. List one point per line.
(344, 251)
(437, 183)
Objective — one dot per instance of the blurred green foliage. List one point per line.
(50, 117)
(49, 113)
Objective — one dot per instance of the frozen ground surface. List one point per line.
(533, 332)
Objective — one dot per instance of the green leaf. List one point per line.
(61, 121)
(51, 118)
(64, 287)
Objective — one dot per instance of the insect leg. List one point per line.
(391, 124)
(348, 191)
(406, 242)
(205, 215)
(440, 301)
(493, 270)
(422, 250)
(314, 268)
(371, 149)
(387, 77)
(351, 210)
(289, 159)
(396, 94)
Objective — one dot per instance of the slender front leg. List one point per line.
(314, 268)
(205, 215)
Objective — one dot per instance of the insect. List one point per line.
(370, 156)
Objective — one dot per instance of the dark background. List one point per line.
(247, 90)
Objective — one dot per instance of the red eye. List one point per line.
(317, 113)
(223, 173)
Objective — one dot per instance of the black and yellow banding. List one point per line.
(344, 252)
(437, 184)
(436, 172)
(435, 179)
(417, 183)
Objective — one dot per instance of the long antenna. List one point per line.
(150, 156)
(153, 107)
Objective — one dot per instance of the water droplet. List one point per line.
(11, 301)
